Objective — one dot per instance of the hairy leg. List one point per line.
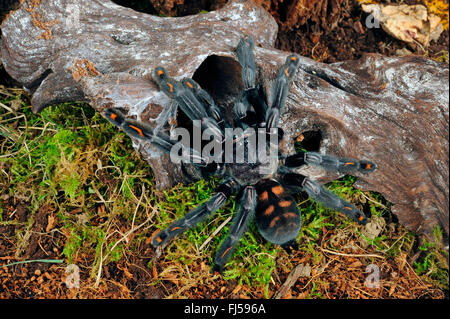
(143, 131)
(329, 162)
(320, 194)
(280, 90)
(245, 212)
(197, 215)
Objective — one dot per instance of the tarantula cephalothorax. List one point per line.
(264, 188)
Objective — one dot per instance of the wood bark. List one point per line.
(393, 111)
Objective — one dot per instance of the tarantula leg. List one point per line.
(183, 96)
(247, 60)
(143, 131)
(187, 101)
(327, 198)
(246, 209)
(195, 216)
(256, 98)
(280, 90)
(290, 246)
(252, 94)
(329, 162)
(212, 109)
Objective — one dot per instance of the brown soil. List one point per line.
(348, 39)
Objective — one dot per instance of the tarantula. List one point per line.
(264, 188)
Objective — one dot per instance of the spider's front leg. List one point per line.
(252, 94)
(197, 215)
(187, 101)
(213, 110)
(245, 213)
(143, 131)
(280, 90)
(319, 193)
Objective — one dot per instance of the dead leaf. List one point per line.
(409, 23)
(51, 223)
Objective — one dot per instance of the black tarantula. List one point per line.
(264, 187)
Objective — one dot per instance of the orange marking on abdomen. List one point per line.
(170, 87)
(264, 196)
(274, 221)
(348, 208)
(113, 116)
(368, 166)
(175, 228)
(285, 203)
(361, 217)
(286, 71)
(160, 72)
(137, 129)
(290, 215)
(269, 210)
(277, 190)
(189, 84)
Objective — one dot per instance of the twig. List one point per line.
(50, 261)
(369, 199)
(351, 255)
(214, 233)
(38, 128)
(6, 107)
(102, 259)
(300, 270)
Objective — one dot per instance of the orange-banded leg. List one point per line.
(197, 215)
(186, 99)
(329, 162)
(321, 195)
(182, 95)
(280, 90)
(138, 129)
(277, 216)
(143, 131)
(245, 212)
(213, 110)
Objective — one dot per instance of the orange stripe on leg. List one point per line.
(225, 252)
(158, 239)
(137, 129)
(349, 163)
(170, 87)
